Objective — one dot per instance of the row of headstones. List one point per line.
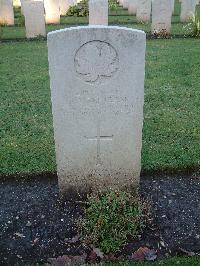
(143, 8)
(36, 12)
(161, 11)
(52, 9)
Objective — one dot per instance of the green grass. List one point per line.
(183, 261)
(118, 17)
(171, 133)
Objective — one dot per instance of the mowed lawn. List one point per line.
(171, 136)
(183, 261)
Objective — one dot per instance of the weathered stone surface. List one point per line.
(132, 7)
(34, 18)
(52, 11)
(187, 9)
(6, 12)
(143, 13)
(98, 12)
(97, 90)
(161, 16)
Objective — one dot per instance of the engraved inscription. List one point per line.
(99, 138)
(110, 103)
(96, 61)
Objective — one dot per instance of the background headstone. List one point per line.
(97, 91)
(64, 6)
(125, 3)
(6, 12)
(16, 3)
(98, 12)
(132, 7)
(187, 9)
(34, 19)
(172, 5)
(52, 11)
(161, 16)
(143, 13)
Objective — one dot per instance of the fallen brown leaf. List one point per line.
(144, 253)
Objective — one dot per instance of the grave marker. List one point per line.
(98, 12)
(161, 16)
(187, 9)
(132, 7)
(16, 3)
(52, 11)
(6, 12)
(34, 18)
(97, 92)
(143, 13)
(64, 6)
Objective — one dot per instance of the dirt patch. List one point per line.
(36, 225)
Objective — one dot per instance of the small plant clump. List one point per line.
(21, 21)
(79, 10)
(82, 8)
(110, 218)
(195, 24)
(113, 4)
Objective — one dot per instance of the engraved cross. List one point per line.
(98, 138)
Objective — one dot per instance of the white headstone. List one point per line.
(125, 3)
(98, 12)
(97, 91)
(64, 6)
(52, 11)
(187, 9)
(132, 7)
(143, 13)
(16, 3)
(6, 12)
(161, 16)
(172, 5)
(22, 6)
(34, 19)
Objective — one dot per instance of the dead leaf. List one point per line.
(139, 255)
(144, 253)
